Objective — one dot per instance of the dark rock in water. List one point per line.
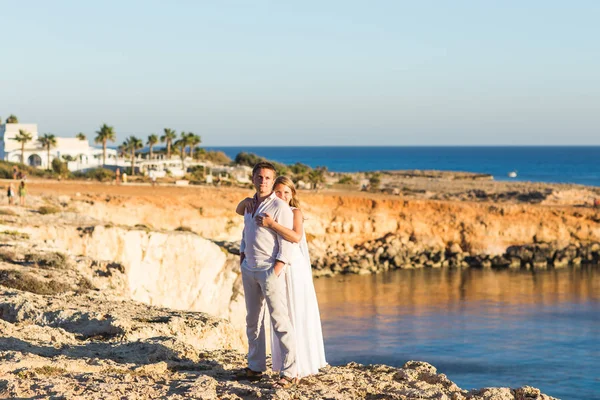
(501, 262)
(515, 262)
(524, 253)
(561, 262)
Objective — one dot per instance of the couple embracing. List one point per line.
(276, 273)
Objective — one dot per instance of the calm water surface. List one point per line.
(479, 327)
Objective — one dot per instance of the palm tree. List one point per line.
(152, 140)
(12, 119)
(23, 137)
(121, 150)
(193, 141)
(132, 144)
(168, 137)
(81, 136)
(105, 134)
(184, 135)
(181, 144)
(48, 141)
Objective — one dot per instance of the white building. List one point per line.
(83, 155)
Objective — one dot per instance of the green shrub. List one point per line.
(281, 169)
(60, 167)
(346, 180)
(6, 170)
(248, 159)
(217, 157)
(375, 180)
(98, 174)
(48, 210)
(197, 173)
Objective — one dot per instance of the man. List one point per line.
(263, 255)
(153, 177)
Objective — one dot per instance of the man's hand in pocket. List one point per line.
(278, 268)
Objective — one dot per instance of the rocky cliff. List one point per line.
(71, 328)
(89, 289)
(178, 270)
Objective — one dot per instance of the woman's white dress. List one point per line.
(304, 313)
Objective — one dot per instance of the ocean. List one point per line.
(560, 164)
(480, 327)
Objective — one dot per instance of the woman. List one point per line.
(302, 300)
(10, 193)
(22, 193)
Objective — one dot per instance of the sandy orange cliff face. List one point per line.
(482, 226)
(336, 219)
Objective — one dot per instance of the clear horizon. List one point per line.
(387, 73)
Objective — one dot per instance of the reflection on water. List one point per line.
(479, 327)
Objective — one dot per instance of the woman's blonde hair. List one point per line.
(284, 180)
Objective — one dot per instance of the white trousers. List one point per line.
(262, 287)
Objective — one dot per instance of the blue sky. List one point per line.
(308, 73)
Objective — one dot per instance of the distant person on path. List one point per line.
(263, 257)
(22, 193)
(15, 172)
(302, 299)
(10, 193)
(124, 177)
(153, 177)
(118, 176)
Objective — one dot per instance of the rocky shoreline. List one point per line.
(401, 252)
(92, 348)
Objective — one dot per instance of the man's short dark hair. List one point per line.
(263, 165)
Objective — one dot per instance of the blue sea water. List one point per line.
(568, 164)
(481, 328)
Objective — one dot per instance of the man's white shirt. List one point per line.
(262, 246)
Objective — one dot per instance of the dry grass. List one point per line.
(8, 256)
(53, 260)
(48, 210)
(15, 235)
(46, 370)
(28, 283)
